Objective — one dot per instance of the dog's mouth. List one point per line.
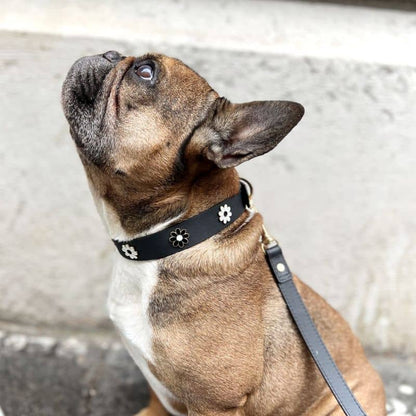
(85, 95)
(85, 78)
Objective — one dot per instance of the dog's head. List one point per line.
(147, 127)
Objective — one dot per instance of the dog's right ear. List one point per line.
(239, 132)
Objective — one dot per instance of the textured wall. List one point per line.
(339, 192)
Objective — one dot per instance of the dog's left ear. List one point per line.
(240, 132)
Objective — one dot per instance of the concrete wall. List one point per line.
(339, 192)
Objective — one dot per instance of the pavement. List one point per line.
(94, 376)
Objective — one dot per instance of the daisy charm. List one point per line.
(225, 214)
(179, 238)
(129, 251)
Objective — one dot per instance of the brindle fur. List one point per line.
(223, 341)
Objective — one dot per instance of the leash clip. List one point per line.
(267, 240)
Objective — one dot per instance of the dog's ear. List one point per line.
(239, 132)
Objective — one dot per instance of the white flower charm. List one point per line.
(129, 251)
(225, 214)
(179, 238)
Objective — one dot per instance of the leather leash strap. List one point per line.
(310, 334)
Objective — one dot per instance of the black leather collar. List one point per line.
(188, 233)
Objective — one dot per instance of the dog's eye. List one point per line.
(145, 72)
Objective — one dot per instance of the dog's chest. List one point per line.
(130, 293)
(131, 287)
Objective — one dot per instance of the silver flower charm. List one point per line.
(179, 238)
(225, 214)
(129, 251)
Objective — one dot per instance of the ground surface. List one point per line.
(44, 376)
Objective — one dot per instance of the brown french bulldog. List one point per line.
(207, 326)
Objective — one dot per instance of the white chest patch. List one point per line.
(131, 288)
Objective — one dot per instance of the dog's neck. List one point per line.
(190, 199)
(239, 243)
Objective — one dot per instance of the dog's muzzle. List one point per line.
(86, 77)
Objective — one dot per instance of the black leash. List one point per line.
(310, 334)
(198, 228)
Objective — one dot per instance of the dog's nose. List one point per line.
(112, 56)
